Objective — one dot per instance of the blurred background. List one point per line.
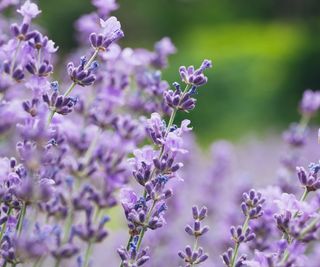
(265, 54)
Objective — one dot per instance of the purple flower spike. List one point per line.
(82, 74)
(111, 32)
(131, 257)
(180, 100)
(309, 180)
(195, 77)
(252, 204)
(196, 255)
(59, 103)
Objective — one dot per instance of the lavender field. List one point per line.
(100, 165)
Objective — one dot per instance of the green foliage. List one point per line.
(251, 66)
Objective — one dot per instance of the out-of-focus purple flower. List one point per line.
(29, 11)
(6, 3)
(105, 6)
(295, 136)
(163, 49)
(310, 102)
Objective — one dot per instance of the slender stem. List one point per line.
(171, 120)
(91, 148)
(5, 224)
(21, 218)
(236, 248)
(145, 227)
(87, 255)
(68, 226)
(53, 111)
(286, 253)
(304, 122)
(92, 58)
(129, 241)
(39, 58)
(57, 264)
(70, 89)
(195, 247)
(13, 62)
(302, 199)
(304, 195)
(309, 227)
(90, 244)
(38, 262)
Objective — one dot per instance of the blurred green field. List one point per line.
(265, 54)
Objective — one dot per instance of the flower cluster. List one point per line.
(73, 152)
(196, 255)
(153, 169)
(252, 209)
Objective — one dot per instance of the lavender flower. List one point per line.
(196, 255)
(111, 32)
(60, 177)
(195, 77)
(147, 211)
(252, 209)
(309, 180)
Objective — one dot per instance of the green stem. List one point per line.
(91, 148)
(171, 120)
(129, 241)
(68, 226)
(309, 227)
(92, 58)
(53, 111)
(304, 122)
(15, 57)
(87, 255)
(5, 224)
(145, 227)
(236, 248)
(304, 195)
(38, 263)
(70, 89)
(195, 247)
(21, 218)
(57, 264)
(286, 253)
